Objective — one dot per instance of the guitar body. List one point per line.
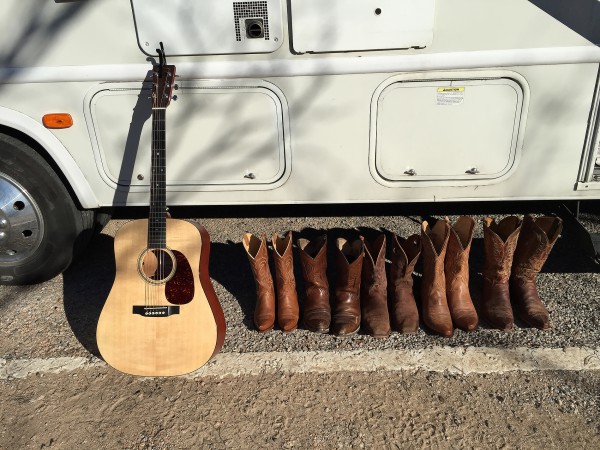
(178, 324)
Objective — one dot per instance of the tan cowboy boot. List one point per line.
(499, 241)
(533, 247)
(287, 298)
(349, 259)
(436, 314)
(317, 311)
(403, 308)
(456, 269)
(264, 312)
(373, 297)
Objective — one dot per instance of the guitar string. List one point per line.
(157, 234)
(161, 190)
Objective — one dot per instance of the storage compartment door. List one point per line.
(446, 130)
(220, 136)
(354, 25)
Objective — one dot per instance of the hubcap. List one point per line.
(21, 223)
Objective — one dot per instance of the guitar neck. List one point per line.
(158, 182)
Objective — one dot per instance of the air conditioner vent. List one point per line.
(250, 10)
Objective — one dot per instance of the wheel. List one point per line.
(41, 229)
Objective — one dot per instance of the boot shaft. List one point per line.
(256, 250)
(313, 257)
(456, 263)
(349, 259)
(374, 281)
(538, 236)
(284, 261)
(499, 242)
(434, 244)
(405, 254)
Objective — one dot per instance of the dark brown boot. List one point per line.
(349, 259)
(533, 247)
(373, 287)
(317, 312)
(499, 242)
(403, 308)
(456, 269)
(264, 312)
(436, 314)
(287, 297)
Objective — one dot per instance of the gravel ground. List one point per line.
(567, 284)
(98, 407)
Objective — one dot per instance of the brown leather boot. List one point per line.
(287, 298)
(264, 312)
(533, 247)
(436, 314)
(456, 269)
(317, 312)
(349, 259)
(499, 241)
(373, 287)
(403, 308)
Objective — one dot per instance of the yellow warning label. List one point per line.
(451, 89)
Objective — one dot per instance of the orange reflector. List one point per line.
(57, 120)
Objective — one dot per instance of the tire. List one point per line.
(41, 229)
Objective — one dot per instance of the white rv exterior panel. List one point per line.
(447, 129)
(353, 25)
(58, 55)
(207, 27)
(219, 135)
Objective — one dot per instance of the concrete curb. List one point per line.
(461, 360)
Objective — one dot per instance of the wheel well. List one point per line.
(26, 139)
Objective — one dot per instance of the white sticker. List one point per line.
(450, 96)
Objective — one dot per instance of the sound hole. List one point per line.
(157, 265)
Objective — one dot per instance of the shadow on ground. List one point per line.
(87, 284)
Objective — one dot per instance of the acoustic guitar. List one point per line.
(162, 316)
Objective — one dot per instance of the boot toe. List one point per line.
(501, 320)
(440, 327)
(405, 323)
(466, 320)
(538, 320)
(408, 326)
(264, 323)
(378, 328)
(288, 324)
(346, 325)
(317, 321)
(380, 333)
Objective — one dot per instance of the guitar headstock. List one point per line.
(163, 80)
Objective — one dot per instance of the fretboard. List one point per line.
(158, 182)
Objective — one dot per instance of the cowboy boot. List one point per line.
(317, 312)
(373, 287)
(499, 242)
(404, 313)
(349, 258)
(264, 312)
(456, 269)
(287, 298)
(533, 247)
(436, 314)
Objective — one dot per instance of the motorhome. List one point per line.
(284, 102)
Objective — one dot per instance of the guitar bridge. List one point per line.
(156, 311)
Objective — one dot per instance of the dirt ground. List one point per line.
(99, 408)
